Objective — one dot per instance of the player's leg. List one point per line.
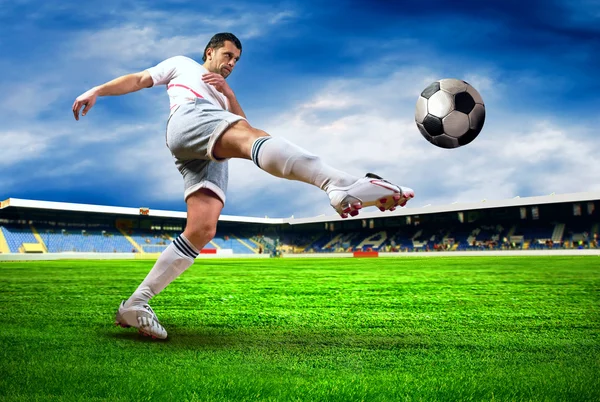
(278, 156)
(205, 187)
(203, 210)
(281, 158)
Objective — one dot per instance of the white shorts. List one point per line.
(192, 131)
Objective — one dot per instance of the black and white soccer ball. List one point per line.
(450, 113)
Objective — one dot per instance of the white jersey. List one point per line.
(183, 78)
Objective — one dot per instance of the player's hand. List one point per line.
(87, 99)
(218, 81)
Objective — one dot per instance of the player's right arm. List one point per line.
(119, 86)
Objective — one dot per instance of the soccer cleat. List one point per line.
(141, 317)
(368, 191)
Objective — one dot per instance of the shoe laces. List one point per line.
(147, 307)
(374, 176)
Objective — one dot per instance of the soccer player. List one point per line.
(206, 127)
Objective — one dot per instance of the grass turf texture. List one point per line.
(479, 328)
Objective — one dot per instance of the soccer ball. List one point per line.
(450, 113)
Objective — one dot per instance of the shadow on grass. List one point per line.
(202, 338)
(130, 334)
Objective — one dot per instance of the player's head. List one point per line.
(222, 53)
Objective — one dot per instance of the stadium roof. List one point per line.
(90, 208)
(408, 211)
(456, 207)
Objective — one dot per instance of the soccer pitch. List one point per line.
(431, 329)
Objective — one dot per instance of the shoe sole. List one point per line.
(388, 203)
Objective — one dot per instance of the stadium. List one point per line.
(553, 222)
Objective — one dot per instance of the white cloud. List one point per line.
(149, 159)
(16, 146)
(27, 100)
(120, 47)
(65, 170)
(144, 38)
(285, 15)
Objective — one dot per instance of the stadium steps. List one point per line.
(267, 242)
(3, 244)
(255, 242)
(133, 242)
(559, 231)
(38, 238)
(16, 237)
(215, 245)
(332, 241)
(245, 244)
(375, 240)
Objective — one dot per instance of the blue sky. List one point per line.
(340, 79)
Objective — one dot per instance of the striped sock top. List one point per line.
(185, 247)
(256, 148)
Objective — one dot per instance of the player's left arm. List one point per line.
(119, 86)
(218, 81)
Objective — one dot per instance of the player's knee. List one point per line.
(206, 231)
(237, 141)
(210, 231)
(257, 133)
(200, 233)
(245, 133)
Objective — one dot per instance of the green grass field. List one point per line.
(430, 329)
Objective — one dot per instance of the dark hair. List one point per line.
(218, 40)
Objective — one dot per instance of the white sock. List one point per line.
(281, 158)
(176, 258)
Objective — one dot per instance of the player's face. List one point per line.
(223, 60)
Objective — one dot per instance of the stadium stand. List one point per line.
(83, 240)
(17, 236)
(537, 223)
(238, 244)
